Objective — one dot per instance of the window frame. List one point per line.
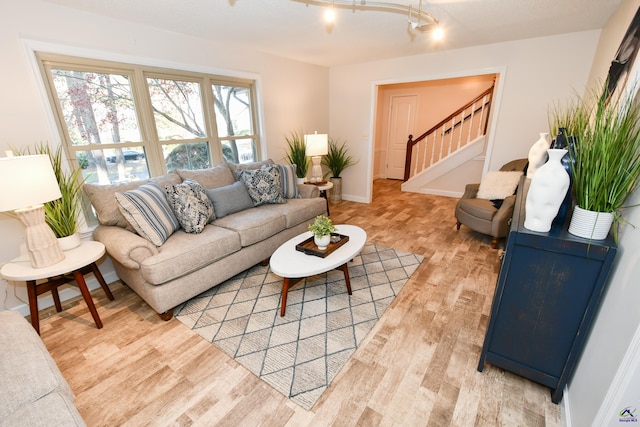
(138, 73)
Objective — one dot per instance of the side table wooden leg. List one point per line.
(345, 269)
(103, 284)
(87, 297)
(33, 305)
(56, 299)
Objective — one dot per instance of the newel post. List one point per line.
(407, 160)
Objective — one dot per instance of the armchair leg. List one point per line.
(494, 243)
(458, 224)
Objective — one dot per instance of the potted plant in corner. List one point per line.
(604, 160)
(296, 155)
(337, 160)
(62, 215)
(322, 228)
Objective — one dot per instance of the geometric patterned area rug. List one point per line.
(301, 353)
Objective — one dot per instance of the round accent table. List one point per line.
(323, 192)
(77, 262)
(293, 265)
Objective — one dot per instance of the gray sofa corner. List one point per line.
(34, 392)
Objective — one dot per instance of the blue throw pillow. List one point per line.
(229, 199)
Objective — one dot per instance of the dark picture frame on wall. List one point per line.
(620, 67)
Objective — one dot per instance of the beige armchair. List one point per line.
(482, 215)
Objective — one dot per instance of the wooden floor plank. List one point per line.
(417, 367)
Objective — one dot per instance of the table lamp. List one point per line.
(317, 145)
(26, 182)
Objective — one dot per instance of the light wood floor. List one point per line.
(418, 367)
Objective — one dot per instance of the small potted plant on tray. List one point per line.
(322, 228)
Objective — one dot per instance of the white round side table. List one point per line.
(77, 262)
(323, 192)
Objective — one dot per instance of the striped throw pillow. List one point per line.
(147, 210)
(289, 181)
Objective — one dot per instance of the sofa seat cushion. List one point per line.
(183, 253)
(297, 211)
(479, 208)
(253, 225)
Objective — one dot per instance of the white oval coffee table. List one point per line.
(293, 265)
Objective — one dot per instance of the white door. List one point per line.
(402, 119)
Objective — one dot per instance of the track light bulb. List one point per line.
(438, 33)
(330, 15)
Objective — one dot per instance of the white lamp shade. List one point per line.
(317, 144)
(26, 181)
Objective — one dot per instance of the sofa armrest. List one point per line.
(128, 248)
(307, 191)
(470, 191)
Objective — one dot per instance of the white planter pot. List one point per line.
(589, 224)
(336, 191)
(322, 242)
(69, 242)
(300, 180)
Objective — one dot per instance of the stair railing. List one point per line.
(452, 133)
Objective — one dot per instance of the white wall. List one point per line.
(293, 95)
(619, 315)
(538, 72)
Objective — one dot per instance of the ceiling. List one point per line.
(295, 30)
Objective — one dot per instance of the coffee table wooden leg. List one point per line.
(345, 269)
(87, 297)
(283, 303)
(103, 284)
(33, 305)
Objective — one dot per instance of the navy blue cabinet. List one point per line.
(548, 291)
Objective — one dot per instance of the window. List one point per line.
(123, 122)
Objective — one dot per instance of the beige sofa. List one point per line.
(186, 265)
(34, 393)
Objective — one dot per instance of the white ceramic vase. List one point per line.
(548, 187)
(589, 224)
(538, 154)
(322, 242)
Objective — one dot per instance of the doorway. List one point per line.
(411, 108)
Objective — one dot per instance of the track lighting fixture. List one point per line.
(418, 18)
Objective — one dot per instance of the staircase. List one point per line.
(453, 141)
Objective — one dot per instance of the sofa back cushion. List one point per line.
(218, 176)
(102, 197)
(235, 168)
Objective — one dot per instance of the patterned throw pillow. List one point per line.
(190, 204)
(148, 212)
(263, 184)
(288, 181)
